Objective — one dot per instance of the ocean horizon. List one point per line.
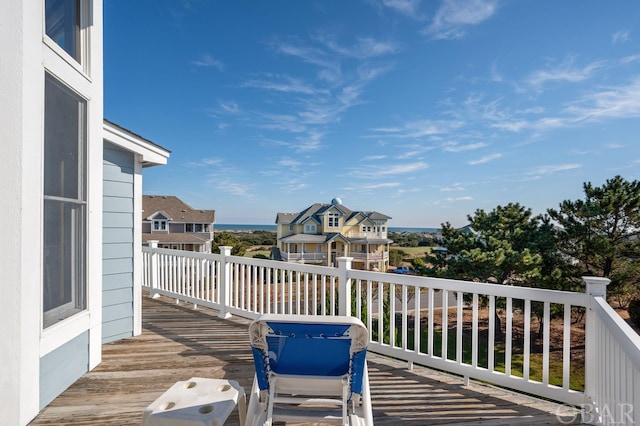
(254, 227)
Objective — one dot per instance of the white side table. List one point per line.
(197, 402)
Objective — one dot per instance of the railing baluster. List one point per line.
(445, 324)
(417, 328)
(545, 345)
(474, 332)
(508, 337)
(566, 347)
(459, 327)
(404, 317)
(491, 344)
(431, 315)
(527, 339)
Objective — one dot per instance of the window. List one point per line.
(64, 215)
(159, 225)
(62, 22)
(188, 227)
(333, 220)
(310, 228)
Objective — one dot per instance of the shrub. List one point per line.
(634, 311)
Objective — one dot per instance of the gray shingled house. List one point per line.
(176, 225)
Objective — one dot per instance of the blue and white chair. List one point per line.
(309, 368)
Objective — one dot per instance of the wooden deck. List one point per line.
(179, 342)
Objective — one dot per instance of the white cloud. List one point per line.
(286, 84)
(420, 128)
(208, 61)
(229, 107)
(381, 185)
(611, 102)
(485, 159)
(566, 71)
(454, 16)
(407, 8)
(620, 37)
(456, 147)
(391, 170)
(374, 157)
(465, 198)
(545, 170)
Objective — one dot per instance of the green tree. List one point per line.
(601, 233)
(238, 248)
(508, 245)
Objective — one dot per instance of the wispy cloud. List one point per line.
(420, 128)
(454, 199)
(485, 159)
(230, 107)
(455, 16)
(545, 170)
(567, 71)
(285, 84)
(206, 162)
(621, 36)
(389, 170)
(456, 147)
(407, 8)
(381, 185)
(611, 102)
(208, 61)
(374, 157)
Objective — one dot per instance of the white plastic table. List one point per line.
(196, 402)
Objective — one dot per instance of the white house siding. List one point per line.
(117, 244)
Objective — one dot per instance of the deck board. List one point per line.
(178, 343)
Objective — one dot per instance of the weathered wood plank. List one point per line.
(179, 342)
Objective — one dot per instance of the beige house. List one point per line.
(323, 232)
(176, 225)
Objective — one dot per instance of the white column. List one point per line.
(344, 294)
(225, 283)
(596, 287)
(153, 269)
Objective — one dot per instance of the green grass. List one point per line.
(517, 359)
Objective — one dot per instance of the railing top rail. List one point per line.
(182, 253)
(276, 264)
(500, 290)
(622, 332)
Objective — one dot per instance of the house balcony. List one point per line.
(566, 347)
(304, 257)
(377, 256)
(367, 235)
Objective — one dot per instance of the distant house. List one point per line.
(323, 232)
(176, 225)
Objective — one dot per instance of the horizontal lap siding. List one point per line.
(61, 367)
(117, 244)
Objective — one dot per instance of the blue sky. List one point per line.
(421, 110)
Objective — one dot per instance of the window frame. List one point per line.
(82, 62)
(77, 229)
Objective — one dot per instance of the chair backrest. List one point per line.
(309, 345)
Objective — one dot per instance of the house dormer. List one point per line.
(159, 222)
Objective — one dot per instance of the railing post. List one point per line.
(344, 293)
(153, 269)
(225, 282)
(596, 287)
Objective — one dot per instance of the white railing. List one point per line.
(613, 388)
(353, 234)
(532, 340)
(371, 256)
(303, 257)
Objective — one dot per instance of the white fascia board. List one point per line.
(150, 154)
